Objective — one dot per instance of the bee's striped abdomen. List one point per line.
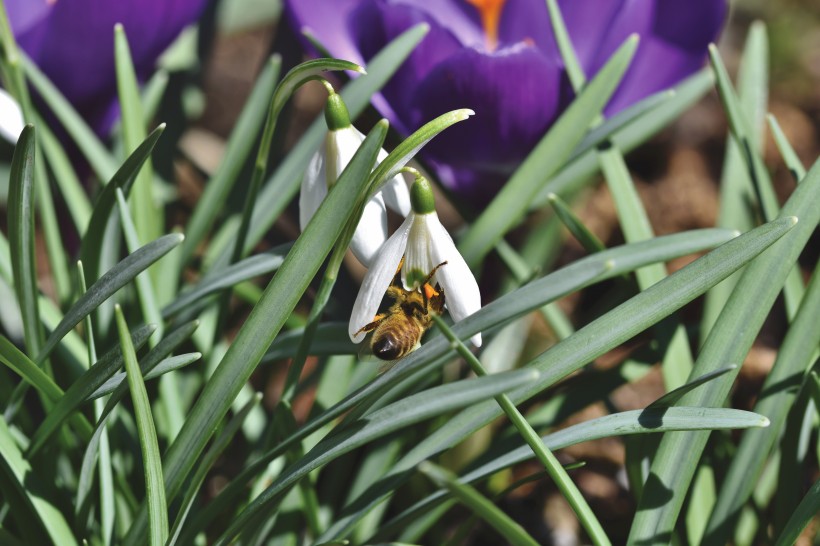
(390, 343)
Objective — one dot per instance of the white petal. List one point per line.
(377, 280)
(314, 188)
(461, 293)
(341, 148)
(371, 233)
(11, 118)
(395, 192)
(417, 260)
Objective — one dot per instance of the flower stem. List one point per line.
(551, 464)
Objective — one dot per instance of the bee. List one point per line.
(398, 331)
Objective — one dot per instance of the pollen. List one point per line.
(490, 13)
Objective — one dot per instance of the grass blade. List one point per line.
(786, 151)
(168, 365)
(672, 397)
(776, 398)
(80, 390)
(151, 460)
(124, 178)
(410, 410)
(729, 340)
(147, 214)
(587, 239)
(483, 507)
(805, 512)
(21, 237)
(108, 285)
(42, 520)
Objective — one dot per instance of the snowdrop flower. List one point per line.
(327, 164)
(11, 118)
(424, 243)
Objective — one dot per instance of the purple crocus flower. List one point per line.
(72, 41)
(499, 58)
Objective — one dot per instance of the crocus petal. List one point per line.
(74, 45)
(461, 293)
(377, 280)
(11, 118)
(314, 188)
(371, 232)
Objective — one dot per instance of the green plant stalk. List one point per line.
(151, 460)
(512, 532)
(542, 453)
(731, 337)
(107, 504)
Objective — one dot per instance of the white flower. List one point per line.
(424, 243)
(341, 143)
(11, 119)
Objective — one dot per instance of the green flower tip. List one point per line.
(415, 277)
(421, 196)
(336, 114)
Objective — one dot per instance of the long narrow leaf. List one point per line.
(21, 237)
(151, 460)
(80, 390)
(114, 279)
(729, 340)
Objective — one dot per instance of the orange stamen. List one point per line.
(490, 12)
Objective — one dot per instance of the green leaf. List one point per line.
(408, 411)
(148, 216)
(124, 178)
(584, 236)
(70, 186)
(249, 268)
(730, 339)
(786, 151)
(80, 390)
(483, 507)
(331, 339)
(151, 460)
(775, 400)
(672, 397)
(168, 365)
(511, 204)
(20, 364)
(219, 445)
(805, 512)
(37, 514)
(237, 150)
(108, 285)
(21, 237)
(646, 421)
(267, 318)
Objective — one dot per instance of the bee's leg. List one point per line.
(370, 326)
(433, 272)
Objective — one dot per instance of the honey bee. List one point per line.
(398, 331)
